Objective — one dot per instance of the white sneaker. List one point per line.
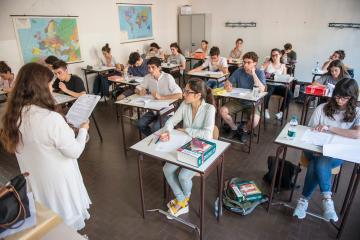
(329, 210)
(301, 207)
(279, 115)
(267, 114)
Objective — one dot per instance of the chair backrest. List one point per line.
(216, 133)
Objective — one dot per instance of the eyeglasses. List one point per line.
(247, 62)
(188, 92)
(275, 55)
(342, 98)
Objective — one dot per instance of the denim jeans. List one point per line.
(101, 85)
(144, 123)
(280, 91)
(318, 173)
(180, 184)
(213, 83)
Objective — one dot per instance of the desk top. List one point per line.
(150, 150)
(243, 94)
(169, 65)
(131, 101)
(62, 98)
(194, 58)
(234, 61)
(98, 69)
(281, 80)
(133, 81)
(208, 74)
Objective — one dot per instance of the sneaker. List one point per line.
(329, 210)
(267, 114)
(244, 137)
(279, 115)
(301, 207)
(179, 209)
(173, 202)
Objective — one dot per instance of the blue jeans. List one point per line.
(180, 184)
(212, 83)
(319, 173)
(101, 85)
(144, 123)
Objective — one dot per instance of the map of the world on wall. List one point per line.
(39, 37)
(135, 22)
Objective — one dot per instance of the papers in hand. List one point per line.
(81, 110)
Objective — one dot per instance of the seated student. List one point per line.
(177, 57)
(162, 86)
(338, 116)
(214, 63)
(204, 48)
(155, 51)
(197, 113)
(137, 67)
(274, 66)
(236, 52)
(101, 83)
(337, 55)
(49, 61)
(65, 82)
(246, 77)
(7, 78)
(335, 72)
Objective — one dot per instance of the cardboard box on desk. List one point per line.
(316, 90)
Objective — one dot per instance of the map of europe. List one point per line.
(135, 22)
(41, 37)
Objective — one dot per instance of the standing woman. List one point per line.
(275, 67)
(338, 116)
(197, 113)
(177, 57)
(45, 145)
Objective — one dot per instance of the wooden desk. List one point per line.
(129, 102)
(214, 162)
(247, 95)
(296, 143)
(206, 75)
(97, 70)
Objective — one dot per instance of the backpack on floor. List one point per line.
(288, 175)
(242, 196)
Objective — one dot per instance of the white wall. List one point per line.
(304, 23)
(97, 23)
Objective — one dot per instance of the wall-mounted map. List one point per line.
(135, 22)
(39, 37)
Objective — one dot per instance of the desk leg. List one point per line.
(202, 203)
(97, 127)
(351, 198)
(221, 186)
(285, 102)
(276, 164)
(140, 159)
(138, 117)
(123, 129)
(304, 108)
(349, 190)
(259, 125)
(251, 126)
(86, 81)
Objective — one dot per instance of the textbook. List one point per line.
(81, 110)
(246, 190)
(196, 152)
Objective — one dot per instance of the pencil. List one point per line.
(150, 141)
(157, 140)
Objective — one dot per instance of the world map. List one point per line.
(135, 22)
(40, 37)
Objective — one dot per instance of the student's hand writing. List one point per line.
(321, 128)
(156, 95)
(62, 87)
(141, 92)
(85, 125)
(164, 137)
(228, 86)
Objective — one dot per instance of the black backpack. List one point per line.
(288, 175)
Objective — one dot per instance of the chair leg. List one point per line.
(336, 183)
(294, 183)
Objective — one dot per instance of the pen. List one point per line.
(157, 140)
(150, 142)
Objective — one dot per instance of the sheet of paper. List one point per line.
(81, 110)
(137, 79)
(62, 98)
(29, 222)
(176, 141)
(345, 152)
(316, 138)
(157, 104)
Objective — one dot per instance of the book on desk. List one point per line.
(196, 151)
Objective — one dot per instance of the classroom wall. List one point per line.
(303, 23)
(98, 24)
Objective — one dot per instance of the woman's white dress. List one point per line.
(49, 152)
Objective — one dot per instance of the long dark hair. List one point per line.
(275, 50)
(339, 64)
(344, 88)
(175, 45)
(31, 88)
(199, 86)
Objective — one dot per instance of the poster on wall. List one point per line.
(39, 37)
(136, 22)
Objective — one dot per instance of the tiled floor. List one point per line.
(112, 182)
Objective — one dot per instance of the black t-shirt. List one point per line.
(75, 84)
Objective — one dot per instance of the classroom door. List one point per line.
(197, 30)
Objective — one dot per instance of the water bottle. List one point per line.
(292, 129)
(216, 207)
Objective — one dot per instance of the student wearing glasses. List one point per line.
(275, 67)
(197, 113)
(246, 77)
(339, 116)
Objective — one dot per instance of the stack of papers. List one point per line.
(81, 110)
(149, 102)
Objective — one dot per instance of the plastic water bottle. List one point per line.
(292, 129)
(216, 207)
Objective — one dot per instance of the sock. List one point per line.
(326, 195)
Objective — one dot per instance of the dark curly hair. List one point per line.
(344, 88)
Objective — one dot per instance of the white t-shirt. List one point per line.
(222, 62)
(165, 85)
(113, 62)
(277, 71)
